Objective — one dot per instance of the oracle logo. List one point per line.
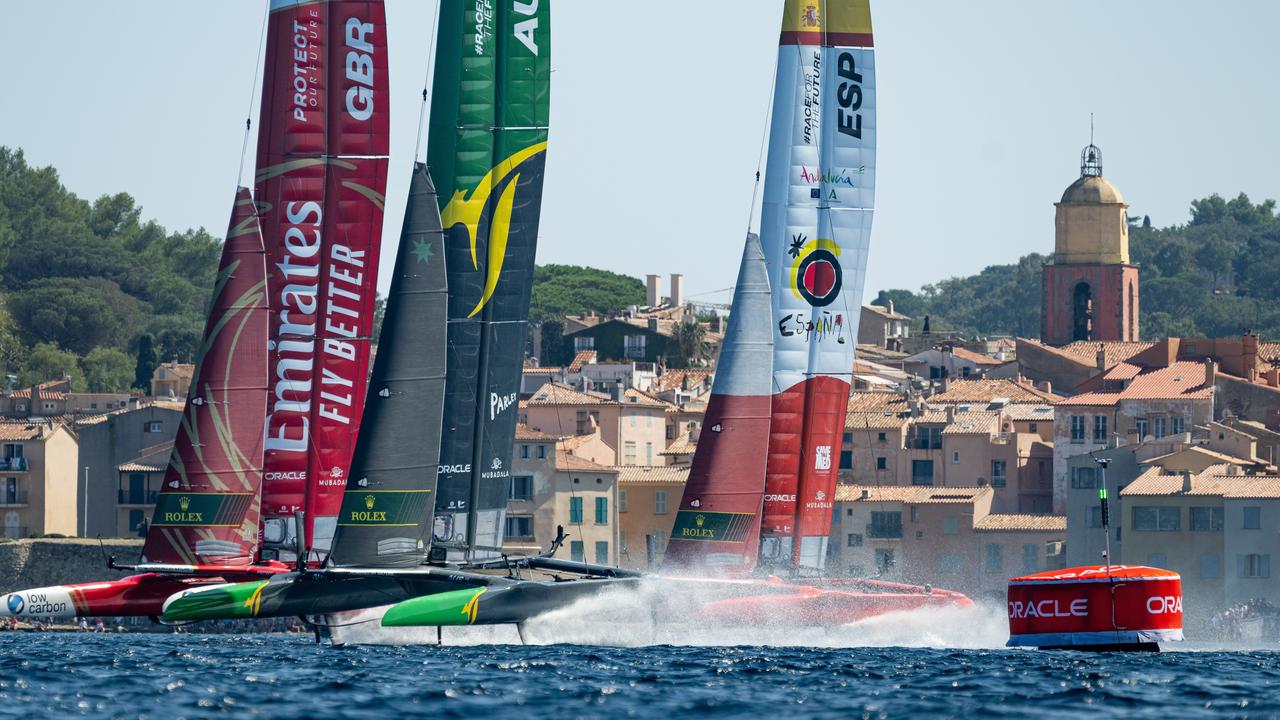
(1164, 604)
(1019, 610)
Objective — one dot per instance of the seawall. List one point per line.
(39, 563)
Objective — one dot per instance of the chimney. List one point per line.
(1210, 372)
(951, 413)
(677, 289)
(695, 434)
(652, 290)
(1101, 357)
(866, 494)
(1186, 481)
(1233, 470)
(888, 305)
(1249, 351)
(1046, 386)
(1273, 377)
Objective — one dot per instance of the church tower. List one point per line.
(1090, 289)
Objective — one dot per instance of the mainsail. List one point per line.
(487, 152)
(815, 226)
(321, 175)
(208, 506)
(385, 519)
(719, 519)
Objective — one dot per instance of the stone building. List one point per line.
(38, 480)
(648, 498)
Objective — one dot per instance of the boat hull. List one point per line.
(141, 595)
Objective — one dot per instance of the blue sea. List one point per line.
(287, 676)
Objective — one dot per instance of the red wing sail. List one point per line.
(208, 507)
(321, 179)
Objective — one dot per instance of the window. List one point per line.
(1210, 566)
(622, 501)
(1253, 518)
(648, 453)
(153, 427)
(542, 452)
(1157, 519)
(955, 457)
(584, 423)
(576, 552)
(994, 557)
(519, 526)
(921, 472)
(1206, 519)
(524, 452)
(1095, 517)
(660, 502)
(846, 459)
(581, 343)
(1100, 428)
(521, 487)
(1030, 557)
(575, 510)
(950, 563)
(629, 452)
(12, 450)
(882, 463)
(885, 524)
(1034, 428)
(884, 560)
(602, 511)
(1142, 428)
(915, 514)
(1177, 424)
(1084, 478)
(950, 525)
(1077, 428)
(999, 478)
(1254, 565)
(1160, 426)
(634, 347)
(880, 437)
(927, 438)
(602, 552)
(855, 539)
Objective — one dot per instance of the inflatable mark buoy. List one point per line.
(1120, 607)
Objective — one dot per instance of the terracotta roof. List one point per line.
(1021, 412)
(988, 389)
(573, 442)
(1114, 352)
(1220, 458)
(584, 357)
(974, 423)
(633, 396)
(876, 402)
(910, 494)
(652, 473)
(1021, 523)
(23, 430)
(549, 370)
(884, 312)
(1213, 482)
(1181, 380)
(182, 370)
(679, 380)
(975, 358)
(41, 393)
(524, 432)
(681, 446)
(565, 461)
(152, 459)
(554, 393)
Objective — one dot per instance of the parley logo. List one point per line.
(16, 603)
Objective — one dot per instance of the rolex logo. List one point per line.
(184, 503)
(699, 520)
(368, 502)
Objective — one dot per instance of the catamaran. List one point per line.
(204, 528)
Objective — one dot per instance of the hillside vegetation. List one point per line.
(1214, 276)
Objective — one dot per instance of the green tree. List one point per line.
(47, 361)
(145, 365)
(107, 370)
(78, 314)
(560, 290)
(688, 345)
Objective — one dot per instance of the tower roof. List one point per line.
(1092, 190)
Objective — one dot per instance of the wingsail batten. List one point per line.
(321, 176)
(815, 226)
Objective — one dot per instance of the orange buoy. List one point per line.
(1099, 607)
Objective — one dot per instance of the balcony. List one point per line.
(886, 531)
(126, 497)
(11, 499)
(14, 464)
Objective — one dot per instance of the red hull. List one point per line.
(141, 595)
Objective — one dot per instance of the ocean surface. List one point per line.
(287, 676)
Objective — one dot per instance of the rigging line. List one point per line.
(426, 81)
(764, 140)
(253, 92)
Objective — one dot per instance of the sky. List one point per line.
(658, 113)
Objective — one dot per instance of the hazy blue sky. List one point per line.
(658, 113)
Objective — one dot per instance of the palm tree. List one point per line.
(690, 340)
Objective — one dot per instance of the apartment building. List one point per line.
(38, 479)
(648, 498)
(632, 425)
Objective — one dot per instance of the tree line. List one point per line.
(1216, 275)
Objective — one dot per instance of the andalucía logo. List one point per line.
(467, 209)
(16, 603)
(816, 276)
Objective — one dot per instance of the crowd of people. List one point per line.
(1257, 619)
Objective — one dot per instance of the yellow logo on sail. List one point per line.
(467, 209)
(472, 605)
(254, 601)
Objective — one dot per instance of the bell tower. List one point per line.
(1090, 288)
